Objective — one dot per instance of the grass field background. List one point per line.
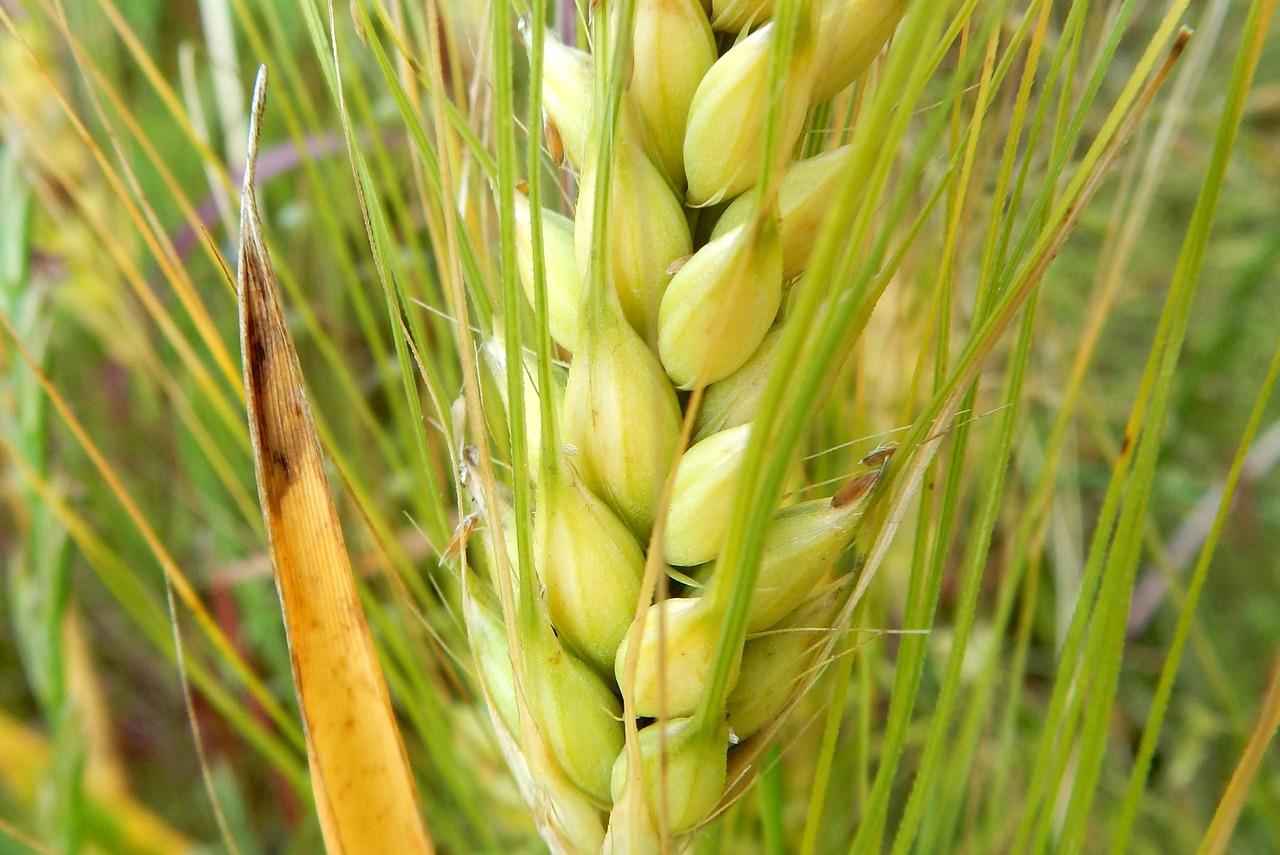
(131, 521)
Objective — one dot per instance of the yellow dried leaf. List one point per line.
(364, 790)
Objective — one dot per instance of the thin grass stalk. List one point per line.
(1218, 835)
(1183, 287)
(39, 569)
(1107, 519)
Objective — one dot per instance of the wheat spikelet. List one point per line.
(656, 299)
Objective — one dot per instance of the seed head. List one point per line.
(577, 714)
(720, 304)
(734, 400)
(487, 638)
(622, 416)
(734, 16)
(804, 197)
(495, 355)
(696, 768)
(691, 632)
(647, 230)
(801, 546)
(701, 499)
(674, 49)
(773, 664)
(566, 817)
(564, 283)
(632, 829)
(724, 140)
(851, 35)
(590, 565)
(566, 95)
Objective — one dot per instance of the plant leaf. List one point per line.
(364, 789)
